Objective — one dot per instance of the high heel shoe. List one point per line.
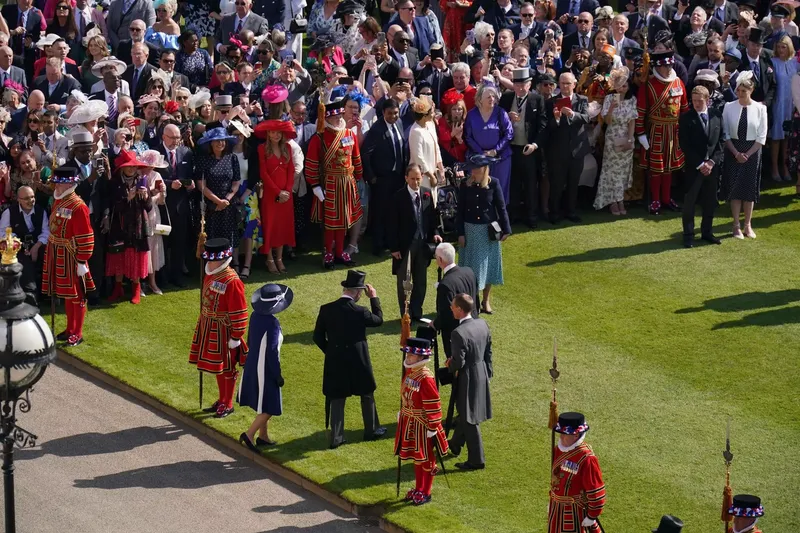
(271, 266)
(244, 439)
(262, 442)
(280, 265)
(749, 233)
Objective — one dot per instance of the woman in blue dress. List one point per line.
(785, 67)
(260, 386)
(488, 131)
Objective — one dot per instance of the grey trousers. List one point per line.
(368, 412)
(471, 435)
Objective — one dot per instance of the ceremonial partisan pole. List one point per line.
(201, 244)
(553, 419)
(405, 333)
(727, 492)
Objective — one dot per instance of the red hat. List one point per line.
(284, 126)
(127, 158)
(171, 106)
(450, 97)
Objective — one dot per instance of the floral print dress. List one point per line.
(616, 174)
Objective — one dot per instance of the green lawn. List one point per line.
(658, 346)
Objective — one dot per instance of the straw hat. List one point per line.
(148, 99)
(84, 113)
(119, 66)
(706, 74)
(242, 128)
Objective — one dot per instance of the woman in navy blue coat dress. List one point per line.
(260, 386)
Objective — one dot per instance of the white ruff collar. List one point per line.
(573, 446)
(415, 365)
(65, 193)
(668, 79)
(220, 268)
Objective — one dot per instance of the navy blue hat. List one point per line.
(217, 249)
(746, 505)
(779, 11)
(733, 52)
(417, 346)
(571, 424)
(322, 42)
(216, 134)
(480, 161)
(271, 299)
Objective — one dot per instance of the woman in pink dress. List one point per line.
(277, 179)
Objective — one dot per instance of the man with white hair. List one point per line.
(619, 26)
(455, 280)
(336, 204)
(460, 75)
(120, 15)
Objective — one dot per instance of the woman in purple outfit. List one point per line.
(488, 131)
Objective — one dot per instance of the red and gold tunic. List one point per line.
(223, 316)
(659, 105)
(421, 412)
(71, 242)
(334, 165)
(576, 489)
(754, 530)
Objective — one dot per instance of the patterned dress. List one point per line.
(741, 181)
(616, 174)
(196, 66)
(219, 176)
(455, 27)
(782, 105)
(197, 18)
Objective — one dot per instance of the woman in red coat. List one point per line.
(451, 128)
(277, 178)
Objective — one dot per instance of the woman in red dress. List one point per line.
(277, 178)
(451, 128)
(454, 26)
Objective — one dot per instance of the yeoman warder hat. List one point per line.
(571, 424)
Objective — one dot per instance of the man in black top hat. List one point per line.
(759, 61)
(669, 524)
(341, 334)
(745, 510)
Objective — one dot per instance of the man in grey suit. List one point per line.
(9, 72)
(471, 362)
(122, 12)
(242, 19)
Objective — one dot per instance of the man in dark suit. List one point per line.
(436, 73)
(500, 14)
(716, 49)
(166, 62)
(412, 226)
(341, 334)
(619, 26)
(272, 10)
(568, 11)
(136, 30)
(139, 72)
(56, 86)
(725, 11)
(242, 19)
(758, 60)
(26, 25)
(657, 18)
(403, 54)
(700, 137)
(583, 38)
(568, 144)
(178, 180)
(690, 25)
(528, 119)
(29, 223)
(471, 362)
(384, 155)
(455, 280)
(9, 72)
(417, 27)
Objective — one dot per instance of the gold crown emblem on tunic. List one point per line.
(9, 247)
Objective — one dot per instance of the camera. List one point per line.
(99, 165)
(27, 242)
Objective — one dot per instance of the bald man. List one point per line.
(29, 223)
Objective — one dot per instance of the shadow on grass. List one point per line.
(604, 254)
(180, 475)
(773, 317)
(320, 440)
(101, 443)
(747, 301)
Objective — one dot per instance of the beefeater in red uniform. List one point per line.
(218, 343)
(333, 165)
(66, 269)
(660, 102)
(419, 427)
(577, 491)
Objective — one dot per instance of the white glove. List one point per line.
(82, 269)
(588, 522)
(234, 343)
(644, 142)
(319, 194)
(430, 434)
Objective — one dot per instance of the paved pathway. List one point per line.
(106, 464)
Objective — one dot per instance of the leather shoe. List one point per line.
(380, 432)
(64, 335)
(334, 446)
(223, 412)
(688, 242)
(262, 442)
(554, 219)
(672, 206)
(466, 466)
(213, 408)
(574, 218)
(244, 439)
(711, 239)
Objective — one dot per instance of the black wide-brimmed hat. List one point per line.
(217, 249)
(756, 36)
(747, 3)
(746, 505)
(271, 299)
(669, 524)
(355, 280)
(417, 346)
(571, 424)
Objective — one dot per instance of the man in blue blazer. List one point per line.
(417, 27)
(619, 26)
(500, 14)
(26, 24)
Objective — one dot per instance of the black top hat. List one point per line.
(217, 249)
(779, 11)
(271, 299)
(426, 332)
(571, 424)
(355, 280)
(417, 346)
(747, 3)
(669, 524)
(756, 36)
(66, 175)
(746, 505)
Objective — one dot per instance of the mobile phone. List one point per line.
(407, 81)
(471, 36)
(437, 54)
(381, 38)
(137, 122)
(101, 123)
(575, 48)
(142, 183)
(539, 62)
(346, 81)
(259, 65)
(185, 182)
(34, 136)
(289, 61)
(721, 68)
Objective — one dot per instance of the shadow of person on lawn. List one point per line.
(333, 526)
(102, 443)
(319, 441)
(773, 317)
(746, 301)
(604, 254)
(180, 475)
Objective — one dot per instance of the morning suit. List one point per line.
(69, 68)
(567, 144)
(727, 12)
(141, 85)
(655, 23)
(440, 80)
(119, 19)
(456, 280)
(524, 198)
(384, 155)
(341, 334)
(471, 362)
(494, 15)
(65, 86)
(700, 142)
(765, 79)
(412, 226)
(124, 53)
(179, 239)
(228, 25)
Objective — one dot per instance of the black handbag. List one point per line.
(298, 24)
(495, 233)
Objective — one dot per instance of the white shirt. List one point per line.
(524, 31)
(238, 20)
(448, 268)
(587, 38)
(413, 193)
(468, 317)
(5, 221)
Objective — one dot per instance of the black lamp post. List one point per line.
(26, 348)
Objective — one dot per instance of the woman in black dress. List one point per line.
(219, 177)
(745, 130)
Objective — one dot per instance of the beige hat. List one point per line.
(242, 128)
(91, 110)
(154, 159)
(706, 74)
(119, 66)
(47, 40)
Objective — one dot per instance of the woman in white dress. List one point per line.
(158, 192)
(423, 145)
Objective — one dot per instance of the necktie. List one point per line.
(756, 70)
(436, 86)
(3, 78)
(112, 108)
(704, 118)
(172, 161)
(719, 14)
(573, 7)
(135, 81)
(21, 23)
(239, 26)
(396, 147)
(401, 59)
(521, 102)
(583, 41)
(418, 214)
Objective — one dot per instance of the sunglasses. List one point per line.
(135, 29)
(526, 15)
(412, 8)
(584, 21)
(264, 52)
(168, 61)
(62, 8)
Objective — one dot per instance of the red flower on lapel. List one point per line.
(426, 195)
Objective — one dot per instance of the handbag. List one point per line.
(298, 23)
(163, 229)
(495, 233)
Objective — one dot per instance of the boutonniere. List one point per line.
(426, 195)
(769, 70)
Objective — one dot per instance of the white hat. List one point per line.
(91, 33)
(242, 128)
(119, 66)
(161, 75)
(47, 40)
(706, 74)
(91, 110)
(152, 158)
(199, 98)
(79, 96)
